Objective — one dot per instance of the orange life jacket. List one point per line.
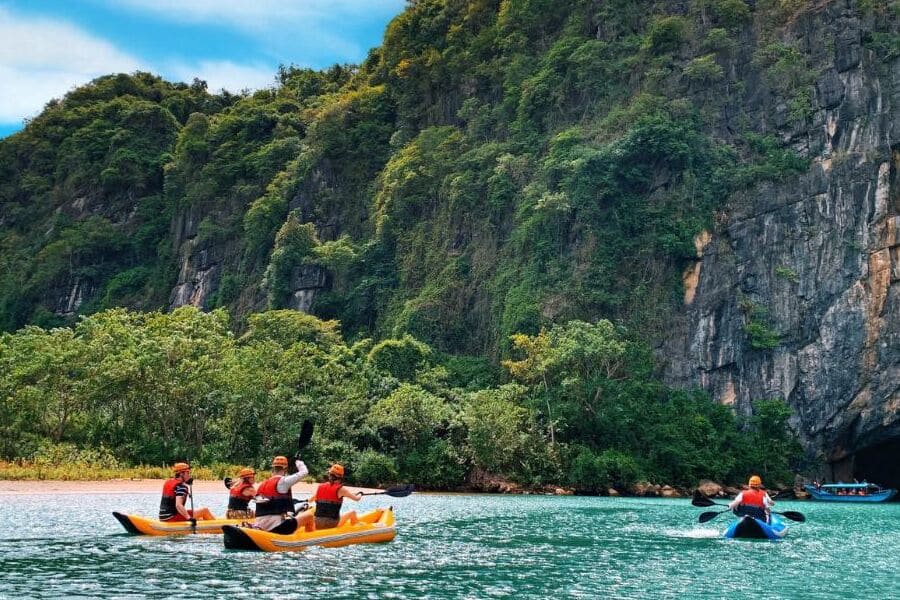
(753, 497)
(328, 503)
(236, 498)
(167, 508)
(276, 503)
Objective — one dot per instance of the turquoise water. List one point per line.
(458, 546)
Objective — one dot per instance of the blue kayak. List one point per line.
(757, 529)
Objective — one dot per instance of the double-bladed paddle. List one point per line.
(704, 502)
(398, 491)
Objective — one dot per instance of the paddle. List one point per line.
(306, 433)
(398, 491)
(704, 502)
(190, 484)
(709, 516)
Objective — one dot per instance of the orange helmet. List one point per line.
(279, 461)
(755, 481)
(247, 472)
(181, 468)
(336, 470)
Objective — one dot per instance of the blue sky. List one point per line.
(47, 47)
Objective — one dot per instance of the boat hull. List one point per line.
(822, 496)
(373, 527)
(749, 528)
(136, 525)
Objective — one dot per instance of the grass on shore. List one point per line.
(31, 471)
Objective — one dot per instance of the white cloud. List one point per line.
(42, 59)
(225, 75)
(303, 28)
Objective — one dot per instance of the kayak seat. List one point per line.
(756, 512)
(287, 527)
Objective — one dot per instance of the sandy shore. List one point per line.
(123, 486)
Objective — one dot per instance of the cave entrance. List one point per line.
(879, 464)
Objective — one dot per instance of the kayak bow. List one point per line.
(136, 525)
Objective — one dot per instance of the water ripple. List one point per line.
(460, 547)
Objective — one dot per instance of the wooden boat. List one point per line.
(850, 492)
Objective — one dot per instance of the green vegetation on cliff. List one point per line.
(494, 177)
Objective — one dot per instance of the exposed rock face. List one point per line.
(820, 254)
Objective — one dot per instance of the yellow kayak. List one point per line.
(143, 526)
(373, 527)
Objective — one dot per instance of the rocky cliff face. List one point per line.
(815, 260)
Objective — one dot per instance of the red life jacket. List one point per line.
(328, 503)
(276, 503)
(236, 498)
(753, 497)
(167, 508)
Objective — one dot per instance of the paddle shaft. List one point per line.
(399, 491)
(705, 502)
(193, 518)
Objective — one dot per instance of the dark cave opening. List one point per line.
(879, 464)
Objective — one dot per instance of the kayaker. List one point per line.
(240, 494)
(175, 492)
(274, 501)
(754, 501)
(330, 496)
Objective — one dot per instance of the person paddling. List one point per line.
(240, 494)
(330, 496)
(754, 502)
(274, 501)
(175, 492)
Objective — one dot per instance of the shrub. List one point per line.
(704, 69)
(733, 14)
(595, 473)
(666, 35)
(400, 358)
(374, 468)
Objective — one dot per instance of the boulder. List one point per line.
(612, 492)
(644, 488)
(710, 489)
(668, 491)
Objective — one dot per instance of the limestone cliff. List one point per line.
(816, 259)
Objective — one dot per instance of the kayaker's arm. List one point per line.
(179, 506)
(286, 482)
(737, 500)
(345, 493)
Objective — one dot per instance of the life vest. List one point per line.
(167, 508)
(752, 497)
(236, 498)
(328, 503)
(275, 502)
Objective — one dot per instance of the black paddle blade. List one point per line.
(702, 501)
(794, 516)
(227, 482)
(306, 433)
(708, 516)
(400, 491)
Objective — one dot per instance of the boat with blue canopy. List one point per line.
(850, 492)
